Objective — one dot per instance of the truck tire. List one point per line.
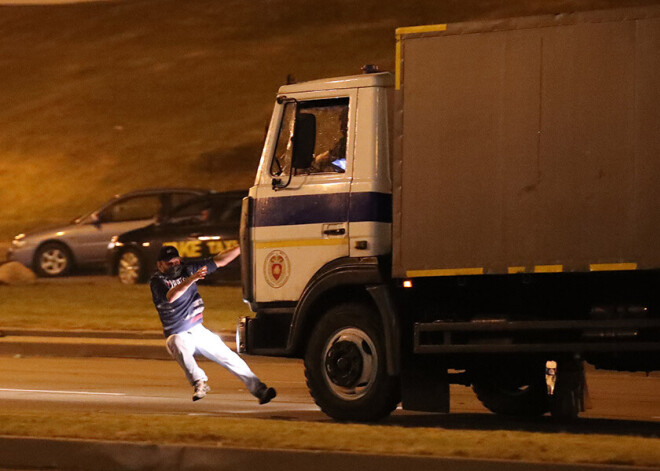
(345, 365)
(516, 390)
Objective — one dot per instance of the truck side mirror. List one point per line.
(304, 140)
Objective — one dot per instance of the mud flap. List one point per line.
(425, 386)
(570, 396)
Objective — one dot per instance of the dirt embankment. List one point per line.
(105, 97)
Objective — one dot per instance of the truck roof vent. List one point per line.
(370, 69)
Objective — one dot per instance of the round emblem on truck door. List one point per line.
(277, 268)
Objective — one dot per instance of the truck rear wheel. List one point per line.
(517, 390)
(345, 365)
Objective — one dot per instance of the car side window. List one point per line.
(194, 212)
(229, 212)
(180, 198)
(132, 209)
(173, 200)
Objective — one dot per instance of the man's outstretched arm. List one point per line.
(177, 291)
(224, 258)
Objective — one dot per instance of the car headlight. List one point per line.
(19, 241)
(114, 243)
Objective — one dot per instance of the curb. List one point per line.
(19, 452)
(97, 334)
(148, 345)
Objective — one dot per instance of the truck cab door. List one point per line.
(301, 202)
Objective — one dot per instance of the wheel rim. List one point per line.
(129, 268)
(350, 363)
(53, 261)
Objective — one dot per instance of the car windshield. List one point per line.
(85, 216)
(82, 218)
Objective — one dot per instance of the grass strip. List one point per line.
(379, 439)
(106, 304)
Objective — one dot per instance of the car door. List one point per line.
(301, 214)
(90, 240)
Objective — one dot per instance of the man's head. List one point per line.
(168, 260)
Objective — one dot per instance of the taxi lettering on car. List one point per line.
(201, 248)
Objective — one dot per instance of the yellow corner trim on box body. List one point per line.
(513, 270)
(410, 30)
(421, 29)
(299, 243)
(445, 272)
(612, 266)
(548, 268)
(397, 61)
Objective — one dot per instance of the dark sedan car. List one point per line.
(199, 228)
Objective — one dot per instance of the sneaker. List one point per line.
(201, 388)
(265, 394)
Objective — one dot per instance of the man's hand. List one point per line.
(322, 159)
(199, 274)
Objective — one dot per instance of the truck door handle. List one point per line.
(335, 232)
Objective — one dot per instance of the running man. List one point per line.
(181, 311)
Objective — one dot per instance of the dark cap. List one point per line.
(167, 253)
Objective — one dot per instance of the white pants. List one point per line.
(199, 339)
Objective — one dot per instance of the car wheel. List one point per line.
(345, 365)
(130, 267)
(53, 259)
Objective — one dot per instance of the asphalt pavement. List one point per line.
(19, 452)
(84, 343)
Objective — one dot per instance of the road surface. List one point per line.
(623, 403)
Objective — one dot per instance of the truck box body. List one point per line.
(528, 145)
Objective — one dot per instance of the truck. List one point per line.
(488, 215)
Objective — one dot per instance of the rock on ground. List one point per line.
(14, 273)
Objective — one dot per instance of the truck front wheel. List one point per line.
(345, 365)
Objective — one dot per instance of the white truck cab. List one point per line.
(335, 200)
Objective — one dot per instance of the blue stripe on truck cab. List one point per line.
(323, 208)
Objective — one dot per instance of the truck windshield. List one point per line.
(331, 137)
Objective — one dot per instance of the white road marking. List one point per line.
(46, 391)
